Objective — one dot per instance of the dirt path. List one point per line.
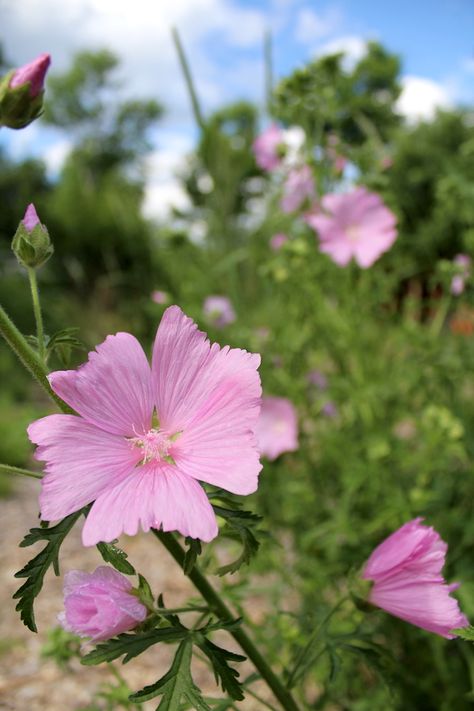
(29, 682)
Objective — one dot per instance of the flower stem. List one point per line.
(28, 357)
(37, 312)
(8, 469)
(219, 607)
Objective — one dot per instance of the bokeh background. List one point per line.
(148, 183)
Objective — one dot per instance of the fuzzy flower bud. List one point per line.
(21, 93)
(100, 605)
(31, 243)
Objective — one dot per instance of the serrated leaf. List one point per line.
(176, 685)
(466, 633)
(239, 525)
(131, 645)
(223, 672)
(194, 550)
(37, 567)
(116, 557)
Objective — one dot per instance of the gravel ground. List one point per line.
(29, 682)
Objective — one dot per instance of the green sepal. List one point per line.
(32, 248)
(17, 108)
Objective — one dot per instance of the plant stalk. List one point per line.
(219, 607)
(188, 79)
(18, 471)
(37, 312)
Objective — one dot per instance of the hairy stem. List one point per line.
(37, 312)
(18, 471)
(29, 358)
(218, 606)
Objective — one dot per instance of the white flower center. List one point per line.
(353, 233)
(155, 445)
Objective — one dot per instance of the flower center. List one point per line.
(155, 445)
(353, 232)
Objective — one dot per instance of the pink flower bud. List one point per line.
(407, 581)
(31, 218)
(34, 73)
(100, 605)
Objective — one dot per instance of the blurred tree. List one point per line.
(326, 97)
(94, 210)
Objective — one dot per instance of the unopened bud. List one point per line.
(21, 93)
(31, 243)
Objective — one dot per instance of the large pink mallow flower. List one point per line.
(34, 72)
(267, 148)
(407, 581)
(298, 187)
(355, 224)
(145, 437)
(277, 427)
(100, 605)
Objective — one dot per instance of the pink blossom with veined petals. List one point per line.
(299, 186)
(99, 604)
(266, 147)
(33, 72)
(355, 224)
(277, 427)
(407, 581)
(142, 468)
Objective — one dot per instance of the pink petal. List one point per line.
(212, 396)
(113, 389)
(151, 497)
(81, 462)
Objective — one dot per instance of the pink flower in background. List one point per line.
(160, 297)
(355, 224)
(145, 437)
(329, 409)
(277, 427)
(407, 581)
(277, 241)
(267, 148)
(458, 283)
(99, 605)
(315, 377)
(31, 218)
(219, 311)
(298, 187)
(34, 72)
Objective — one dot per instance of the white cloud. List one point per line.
(353, 46)
(55, 155)
(163, 188)
(421, 97)
(311, 26)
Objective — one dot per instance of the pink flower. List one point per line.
(267, 148)
(299, 186)
(277, 241)
(406, 572)
(159, 297)
(315, 377)
(31, 218)
(34, 72)
(141, 466)
(277, 428)
(458, 283)
(355, 224)
(218, 311)
(99, 604)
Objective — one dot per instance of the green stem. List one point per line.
(37, 312)
(29, 357)
(219, 607)
(188, 79)
(8, 469)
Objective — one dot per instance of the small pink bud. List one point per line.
(31, 218)
(34, 73)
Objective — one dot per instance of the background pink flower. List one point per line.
(277, 428)
(298, 187)
(33, 72)
(406, 571)
(219, 311)
(144, 438)
(277, 241)
(355, 224)
(159, 297)
(458, 283)
(99, 604)
(266, 147)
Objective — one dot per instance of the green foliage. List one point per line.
(61, 647)
(131, 645)
(35, 570)
(220, 658)
(116, 557)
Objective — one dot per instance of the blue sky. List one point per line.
(223, 39)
